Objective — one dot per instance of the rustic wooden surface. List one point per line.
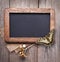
(35, 54)
(4, 54)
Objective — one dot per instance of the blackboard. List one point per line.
(29, 24)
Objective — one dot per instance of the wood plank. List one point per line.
(32, 53)
(56, 6)
(15, 58)
(41, 49)
(4, 54)
(23, 3)
(41, 53)
(48, 3)
(51, 50)
(42, 3)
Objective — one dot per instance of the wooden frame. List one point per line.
(25, 10)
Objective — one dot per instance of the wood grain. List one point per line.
(48, 4)
(23, 3)
(51, 50)
(42, 3)
(56, 6)
(41, 48)
(4, 54)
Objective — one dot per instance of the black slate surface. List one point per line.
(29, 24)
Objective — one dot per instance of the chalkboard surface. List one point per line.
(29, 24)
